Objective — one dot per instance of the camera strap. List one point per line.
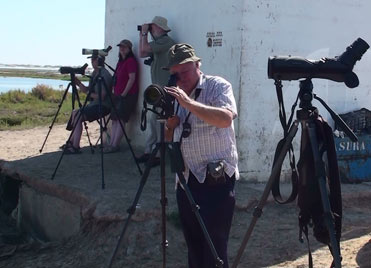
(286, 126)
(197, 94)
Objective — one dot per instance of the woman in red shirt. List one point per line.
(125, 93)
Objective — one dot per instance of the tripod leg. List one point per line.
(125, 135)
(75, 94)
(195, 208)
(131, 209)
(101, 126)
(69, 138)
(105, 124)
(320, 172)
(258, 211)
(55, 116)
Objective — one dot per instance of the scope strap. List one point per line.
(197, 93)
(285, 125)
(143, 119)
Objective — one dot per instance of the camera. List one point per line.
(70, 70)
(139, 28)
(338, 69)
(157, 96)
(148, 61)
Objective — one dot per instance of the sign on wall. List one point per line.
(214, 39)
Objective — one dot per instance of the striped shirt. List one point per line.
(208, 143)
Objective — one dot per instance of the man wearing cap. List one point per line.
(203, 123)
(156, 49)
(93, 110)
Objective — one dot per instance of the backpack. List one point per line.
(306, 187)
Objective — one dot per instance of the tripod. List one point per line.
(177, 166)
(75, 96)
(306, 116)
(100, 83)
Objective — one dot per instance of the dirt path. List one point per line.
(274, 242)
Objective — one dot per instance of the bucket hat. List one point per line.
(161, 22)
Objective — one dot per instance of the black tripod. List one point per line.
(177, 165)
(100, 83)
(306, 116)
(75, 96)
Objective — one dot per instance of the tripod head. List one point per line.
(307, 110)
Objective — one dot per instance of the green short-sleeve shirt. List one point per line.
(160, 47)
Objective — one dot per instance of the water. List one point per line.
(26, 84)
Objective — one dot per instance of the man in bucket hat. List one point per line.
(203, 123)
(157, 50)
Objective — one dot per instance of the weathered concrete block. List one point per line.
(47, 217)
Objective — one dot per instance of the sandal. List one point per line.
(72, 150)
(68, 144)
(111, 149)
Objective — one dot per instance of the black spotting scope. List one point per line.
(76, 70)
(339, 69)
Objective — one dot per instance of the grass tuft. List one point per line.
(20, 110)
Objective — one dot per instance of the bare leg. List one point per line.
(117, 133)
(75, 139)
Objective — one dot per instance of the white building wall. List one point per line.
(249, 32)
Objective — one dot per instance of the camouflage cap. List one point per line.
(180, 54)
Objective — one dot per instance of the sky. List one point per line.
(50, 32)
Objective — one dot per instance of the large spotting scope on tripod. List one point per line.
(316, 140)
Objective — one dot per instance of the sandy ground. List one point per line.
(274, 242)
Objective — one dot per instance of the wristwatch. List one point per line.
(144, 34)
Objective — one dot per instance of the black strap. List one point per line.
(197, 94)
(286, 126)
(304, 229)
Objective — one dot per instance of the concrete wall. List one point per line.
(245, 34)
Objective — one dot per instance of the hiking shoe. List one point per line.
(143, 158)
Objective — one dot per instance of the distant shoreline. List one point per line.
(35, 72)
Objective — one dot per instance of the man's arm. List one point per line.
(216, 116)
(144, 48)
(82, 87)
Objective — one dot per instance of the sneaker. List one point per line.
(143, 158)
(156, 162)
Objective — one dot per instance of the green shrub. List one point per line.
(14, 96)
(46, 93)
(20, 110)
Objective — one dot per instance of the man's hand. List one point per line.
(145, 28)
(172, 122)
(180, 95)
